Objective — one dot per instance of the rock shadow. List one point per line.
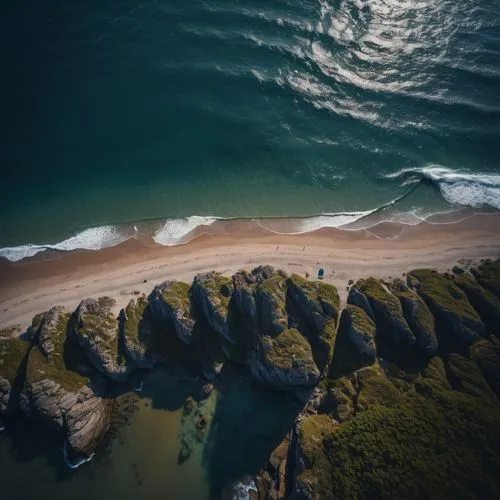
(249, 422)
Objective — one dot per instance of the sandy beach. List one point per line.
(134, 267)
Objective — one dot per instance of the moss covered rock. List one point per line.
(171, 301)
(136, 333)
(485, 302)
(486, 354)
(418, 317)
(285, 361)
(465, 376)
(312, 474)
(392, 327)
(457, 322)
(211, 293)
(355, 343)
(271, 304)
(488, 276)
(316, 304)
(94, 328)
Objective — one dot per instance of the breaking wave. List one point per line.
(459, 188)
(94, 238)
(175, 230)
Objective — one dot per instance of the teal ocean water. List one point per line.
(115, 113)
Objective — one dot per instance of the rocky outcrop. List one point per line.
(488, 276)
(57, 395)
(458, 323)
(87, 422)
(486, 354)
(317, 306)
(171, 302)
(136, 333)
(419, 318)
(285, 361)
(486, 303)
(355, 343)
(311, 479)
(465, 376)
(357, 298)
(94, 328)
(391, 324)
(271, 303)
(211, 294)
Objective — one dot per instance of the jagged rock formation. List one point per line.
(378, 373)
(94, 328)
(387, 311)
(355, 344)
(456, 319)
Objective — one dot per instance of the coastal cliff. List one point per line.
(411, 363)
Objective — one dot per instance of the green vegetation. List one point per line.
(135, 313)
(101, 327)
(178, 297)
(39, 367)
(438, 443)
(219, 287)
(12, 352)
(288, 351)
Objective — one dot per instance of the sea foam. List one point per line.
(460, 188)
(94, 238)
(174, 231)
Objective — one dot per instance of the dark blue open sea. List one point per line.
(118, 112)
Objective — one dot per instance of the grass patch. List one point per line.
(12, 352)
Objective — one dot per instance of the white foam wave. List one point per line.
(175, 231)
(308, 224)
(77, 463)
(460, 188)
(90, 239)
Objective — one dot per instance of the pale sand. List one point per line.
(386, 250)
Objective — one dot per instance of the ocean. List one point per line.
(120, 116)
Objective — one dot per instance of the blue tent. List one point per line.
(321, 273)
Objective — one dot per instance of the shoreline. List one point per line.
(133, 267)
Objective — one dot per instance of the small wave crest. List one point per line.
(175, 231)
(459, 188)
(94, 238)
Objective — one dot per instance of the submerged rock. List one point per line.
(94, 328)
(457, 321)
